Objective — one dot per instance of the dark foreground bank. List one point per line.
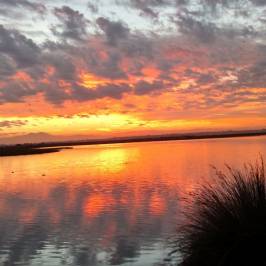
(226, 221)
(25, 150)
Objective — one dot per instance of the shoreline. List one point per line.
(22, 150)
(49, 147)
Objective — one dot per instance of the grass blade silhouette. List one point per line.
(226, 220)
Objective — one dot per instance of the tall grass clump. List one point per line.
(226, 220)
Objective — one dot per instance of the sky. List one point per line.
(101, 68)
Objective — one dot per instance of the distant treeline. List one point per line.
(25, 150)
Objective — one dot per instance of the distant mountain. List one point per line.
(28, 138)
(36, 138)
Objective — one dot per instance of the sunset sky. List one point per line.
(102, 68)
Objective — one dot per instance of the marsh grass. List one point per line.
(226, 220)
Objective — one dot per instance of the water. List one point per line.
(107, 204)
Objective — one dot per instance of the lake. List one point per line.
(116, 204)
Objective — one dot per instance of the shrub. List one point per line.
(226, 220)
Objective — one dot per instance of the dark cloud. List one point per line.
(60, 83)
(144, 7)
(7, 67)
(20, 48)
(203, 26)
(73, 24)
(63, 65)
(259, 2)
(113, 91)
(38, 7)
(254, 75)
(15, 91)
(202, 51)
(214, 6)
(13, 123)
(202, 78)
(144, 87)
(140, 46)
(148, 7)
(54, 93)
(81, 93)
(203, 31)
(114, 30)
(93, 7)
(108, 67)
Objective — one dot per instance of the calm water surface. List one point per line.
(107, 204)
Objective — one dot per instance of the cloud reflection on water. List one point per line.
(72, 217)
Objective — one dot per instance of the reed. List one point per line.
(226, 220)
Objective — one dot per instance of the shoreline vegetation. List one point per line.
(225, 220)
(27, 150)
(48, 147)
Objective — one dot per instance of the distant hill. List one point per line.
(28, 138)
(36, 138)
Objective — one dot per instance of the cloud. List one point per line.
(38, 7)
(203, 31)
(144, 87)
(259, 2)
(73, 24)
(93, 7)
(205, 60)
(114, 30)
(253, 75)
(13, 123)
(81, 93)
(18, 47)
(107, 66)
(7, 67)
(148, 7)
(16, 91)
(64, 67)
